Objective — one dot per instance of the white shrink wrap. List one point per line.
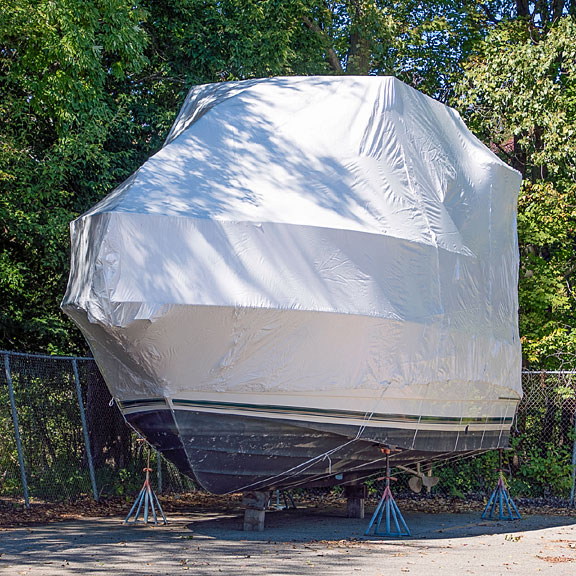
(327, 250)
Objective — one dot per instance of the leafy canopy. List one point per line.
(88, 90)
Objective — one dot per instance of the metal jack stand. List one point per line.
(388, 505)
(146, 498)
(506, 508)
(288, 500)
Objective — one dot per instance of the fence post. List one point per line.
(85, 429)
(16, 430)
(573, 489)
(159, 470)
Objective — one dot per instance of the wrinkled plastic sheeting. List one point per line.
(307, 233)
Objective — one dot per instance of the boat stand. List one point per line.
(388, 507)
(287, 498)
(254, 504)
(506, 508)
(145, 502)
(355, 495)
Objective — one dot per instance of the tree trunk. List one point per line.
(557, 9)
(358, 55)
(542, 9)
(567, 421)
(331, 55)
(519, 157)
(358, 60)
(523, 8)
(538, 172)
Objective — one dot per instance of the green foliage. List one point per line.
(50, 432)
(468, 476)
(518, 94)
(542, 474)
(546, 221)
(520, 85)
(434, 40)
(88, 90)
(539, 472)
(60, 65)
(125, 482)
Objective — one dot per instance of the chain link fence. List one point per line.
(539, 465)
(63, 438)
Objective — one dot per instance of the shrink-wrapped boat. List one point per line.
(310, 269)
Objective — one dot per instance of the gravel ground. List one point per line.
(296, 542)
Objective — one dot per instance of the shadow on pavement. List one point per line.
(303, 525)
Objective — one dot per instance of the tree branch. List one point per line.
(331, 55)
(489, 14)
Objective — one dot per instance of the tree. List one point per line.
(196, 41)
(66, 137)
(519, 95)
(88, 90)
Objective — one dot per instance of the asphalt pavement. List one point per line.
(295, 542)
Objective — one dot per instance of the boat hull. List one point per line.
(229, 453)
(229, 433)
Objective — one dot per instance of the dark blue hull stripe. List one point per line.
(291, 411)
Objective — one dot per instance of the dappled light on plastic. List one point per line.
(334, 251)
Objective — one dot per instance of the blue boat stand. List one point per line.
(388, 509)
(506, 508)
(146, 502)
